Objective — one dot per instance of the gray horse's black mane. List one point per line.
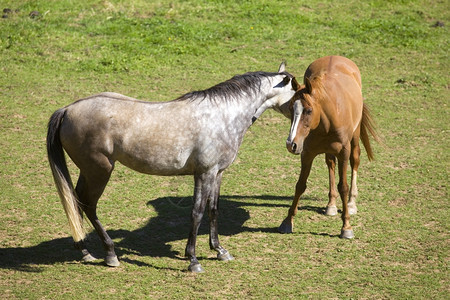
(248, 83)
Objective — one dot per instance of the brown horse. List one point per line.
(328, 116)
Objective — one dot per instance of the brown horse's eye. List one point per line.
(308, 111)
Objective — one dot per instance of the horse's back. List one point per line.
(160, 138)
(335, 66)
(127, 130)
(99, 113)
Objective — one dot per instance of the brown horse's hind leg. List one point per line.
(331, 209)
(354, 163)
(288, 224)
(90, 187)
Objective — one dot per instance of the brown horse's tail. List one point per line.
(61, 176)
(367, 125)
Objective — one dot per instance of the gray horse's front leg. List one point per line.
(202, 189)
(197, 213)
(222, 253)
(213, 211)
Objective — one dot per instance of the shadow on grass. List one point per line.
(172, 223)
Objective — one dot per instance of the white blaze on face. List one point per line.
(297, 114)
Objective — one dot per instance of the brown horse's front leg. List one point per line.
(331, 209)
(288, 224)
(346, 231)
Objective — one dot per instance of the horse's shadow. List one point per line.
(172, 223)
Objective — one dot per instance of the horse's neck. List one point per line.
(239, 111)
(324, 118)
(249, 108)
(259, 104)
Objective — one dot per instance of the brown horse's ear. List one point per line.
(308, 85)
(295, 85)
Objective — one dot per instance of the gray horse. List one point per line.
(197, 134)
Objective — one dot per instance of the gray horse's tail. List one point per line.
(64, 185)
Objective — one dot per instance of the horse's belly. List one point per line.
(163, 162)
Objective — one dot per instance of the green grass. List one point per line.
(158, 50)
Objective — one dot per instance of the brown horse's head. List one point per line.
(305, 115)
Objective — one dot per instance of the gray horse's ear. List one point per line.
(282, 67)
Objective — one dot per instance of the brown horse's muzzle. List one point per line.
(293, 147)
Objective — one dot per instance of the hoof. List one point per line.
(352, 210)
(88, 258)
(112, 261)
(285, 227)
(225, 256)
(347, 234)
(331, 211)
(196, 268)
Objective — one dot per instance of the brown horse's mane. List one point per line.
(315, 88)
(311, 91)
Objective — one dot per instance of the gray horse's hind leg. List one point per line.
(87, 256)
(81, 245)
(89, 188)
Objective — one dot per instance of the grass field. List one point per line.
(159, 50)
